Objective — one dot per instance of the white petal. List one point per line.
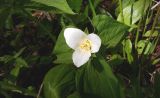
(80, 57)
(96, 42)
(73, 37)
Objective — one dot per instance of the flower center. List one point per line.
(86, 45)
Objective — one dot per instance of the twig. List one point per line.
(158, 3)
(39, 91)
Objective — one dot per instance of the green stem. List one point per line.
(148, 19)
(121, 10)
(40, 90)
(124, 53)
(155, 44)
(137, 33)
(92, 8)
(139, 27)
(62, 22)
(154, 23)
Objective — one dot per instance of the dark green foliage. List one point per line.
(36, 62)
(110, 31)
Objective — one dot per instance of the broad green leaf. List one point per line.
(110, 31)
(38, 6)
(59, 82)
(65, 58)
(74, 95)
(59, 4)
(132, 14)
(96, 80)
(75, 4)
(62, 51)
(125, 3)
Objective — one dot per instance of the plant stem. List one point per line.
(148, 19)
(139, 26)
(154, 23)
(137, 33)
(92, 8)
(155, 44)
(39, 91)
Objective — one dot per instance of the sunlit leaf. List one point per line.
(19, 63)
(152, 34)
(131, 14)
(143, 44)
(128, 50)
(59, 4)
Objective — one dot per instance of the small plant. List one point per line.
(79, 48)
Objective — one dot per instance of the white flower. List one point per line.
(83, 44)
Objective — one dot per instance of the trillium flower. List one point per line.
(82, 43)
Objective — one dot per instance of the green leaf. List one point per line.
(96, 80)
(63, 52)
(19, 63)
(135, 12)
(128, 50)
(59, 82)
(142, 44)
(110, 31)
(149, 33)
(15, 71)
(125, 3)
(156, 61)
(59, 4)
(75, 4)
(128, 46)
(74, 95)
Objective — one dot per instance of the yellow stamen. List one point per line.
(86, 45)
